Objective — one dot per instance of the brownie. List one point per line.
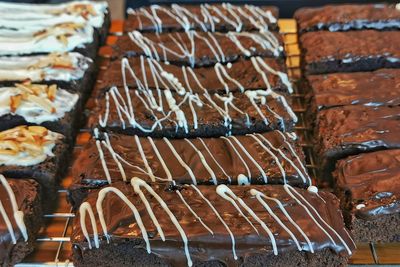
(273, 158)
(37, 153)
(165, 113)
(348, 17)
(17, 240)
(377, 88)
(257, 73)
(369, 188)
(367, 50)
(350, 130)
(197, 49)
(209, 226)
(205, 17)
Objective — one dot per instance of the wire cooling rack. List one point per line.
(53, 246)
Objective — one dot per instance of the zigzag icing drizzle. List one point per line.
(232, 199)
(105, 146)
(17, 214)
(209, 16)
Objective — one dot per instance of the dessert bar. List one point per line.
(273, 158)
(205, 17)
(326, 52)
(165, 113)
(137, 72)
(198, 49)
(350, 130)
(138, 225)
(20, 218)
(369, 188)
(348, 17)
(34, 152)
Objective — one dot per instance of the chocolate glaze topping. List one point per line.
(372, 183)
(271, 157)
(348, 17)
(222, 223)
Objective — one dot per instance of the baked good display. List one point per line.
(348, 17)
(368, 186)
(367, 50)
(205, 17)
(253, 74)
(166, 113)
(34, 152)
(198, 49)
(138, 225)
(351, 130)
(20, 218)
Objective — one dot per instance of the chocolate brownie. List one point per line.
(205, 17)
(273, 158)
(166, 113)
(139, 225)
(20, 219)
(325, 52)
(38, 104)
(257, 73)
(37, 153)
(350, 130)
(348, 17)
(377, 88)
(369, 188)
(197, 49)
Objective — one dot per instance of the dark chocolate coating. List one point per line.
(242, 71)
(139, 20)
(326, 52)
(88, 169)
(348, 17)
(204, 247)
(203, 54)
(245, 118)
(350, 130)
(27, 195)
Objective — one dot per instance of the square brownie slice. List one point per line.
(198, 49)
(205, 17)
(138, 225)
(368, 186)
(20, 219)
(350, 130)
(367, 50)
(348, 17)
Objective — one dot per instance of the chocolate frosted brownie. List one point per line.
(164, 113)
(138, 225)
(197, 49)
(257, 73)
(273, 158)
(348, 17)
(325, 52)
(20, 219)
(369, 188)
(205, 17)
(34, 152)
(377, 88)
(350, 130)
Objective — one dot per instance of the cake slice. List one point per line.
(138, 225)
(348, 17)
(368, 186)
(198, 49)
(326, 52)
(139, 72)
(205, 17)
(20, 218)
(350, 130)
(34, 152)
